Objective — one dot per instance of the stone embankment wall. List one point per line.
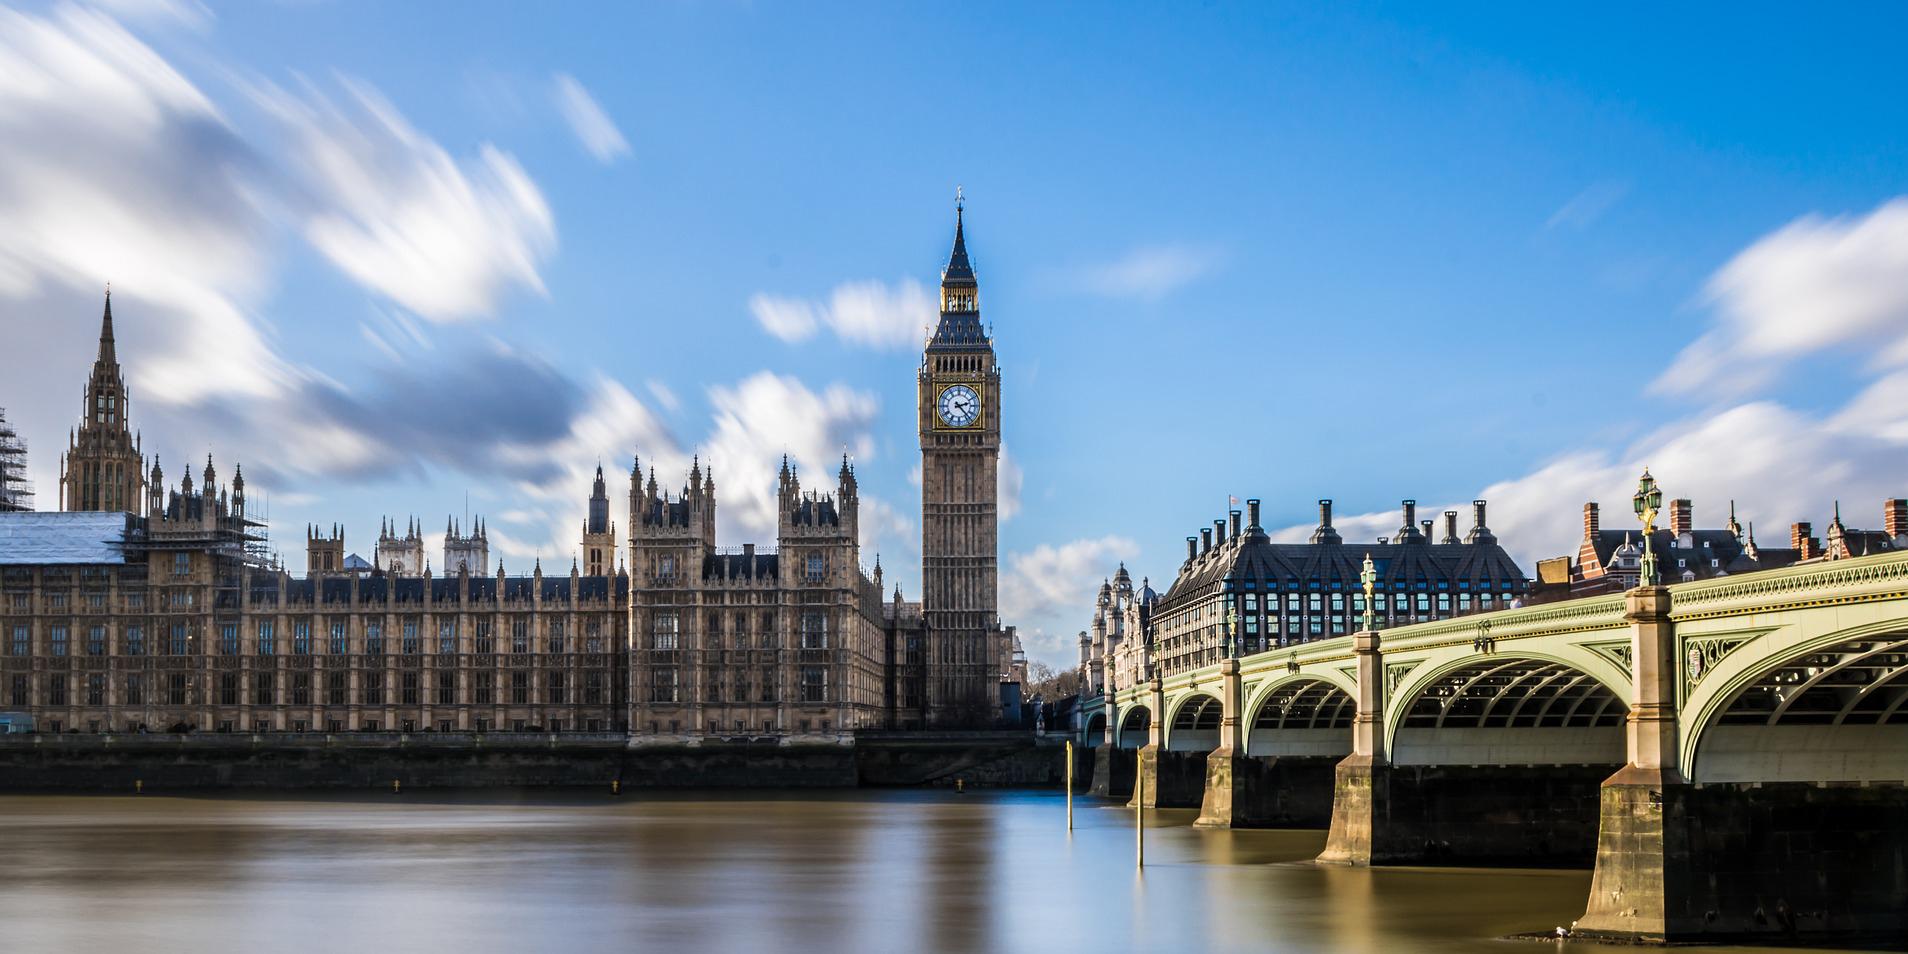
(459, 760)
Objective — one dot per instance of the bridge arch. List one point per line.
(1194, 725)
(1778, 708)
(1095, 730)
(1134, 723)
(1508, 708)
(1304, 714)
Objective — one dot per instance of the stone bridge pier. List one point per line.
(1173, 774)
(1763, 794)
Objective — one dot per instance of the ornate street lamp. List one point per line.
(1368, 577)
(1649, 501)
(1232, 629)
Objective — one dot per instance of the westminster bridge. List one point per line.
(1732, 753)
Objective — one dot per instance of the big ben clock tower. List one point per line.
(959, 404)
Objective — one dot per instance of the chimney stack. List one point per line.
(1235, 523)
(1410, 514)
(1480, 532)
(1450, 527)
(1219, 533)
(1325, 533)
(1590, 521)
(1682, 518)
(1192, 548)
(1252, 514)
(1895, 518)
(1425, 526)
(1205, 540)
(1803, 542)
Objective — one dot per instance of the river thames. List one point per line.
(580, 872)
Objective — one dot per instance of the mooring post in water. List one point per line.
(1139, 817)
(1069, 784)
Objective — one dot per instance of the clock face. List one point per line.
(959, 406)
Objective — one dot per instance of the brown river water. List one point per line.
(832, 872)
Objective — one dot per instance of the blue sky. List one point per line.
(388, 255)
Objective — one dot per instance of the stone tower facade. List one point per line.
(463, 551)
(400, 555)
(102, 468)
(751, 645)
(959, 420)
(324, 552)
(599, 532)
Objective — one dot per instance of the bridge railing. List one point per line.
(1884, 576)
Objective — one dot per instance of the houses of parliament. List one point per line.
(150, 605)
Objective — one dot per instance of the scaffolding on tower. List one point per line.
(16, 492)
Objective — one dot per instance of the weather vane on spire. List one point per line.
(960, 199)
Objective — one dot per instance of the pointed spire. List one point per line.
(959, 270)
(107, 354)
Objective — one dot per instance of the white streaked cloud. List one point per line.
(870, 314)
(592, 126)
(1585, 208)
(1817, 284)
(392, 209)
(1009, 480)
(1148, 272)
(1048, 591)
(767, 415)
(117, 168)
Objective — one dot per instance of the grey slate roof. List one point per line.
(29, 539)
(1337, 566)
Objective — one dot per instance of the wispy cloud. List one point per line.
(866, 313)
(120, 168)
(592, 126)
(1814, 285)
(1010, 478)
(663, 394)
(1584, 209)
(1148, 272)
(1048, 591)
(394, 211)
(767, 415)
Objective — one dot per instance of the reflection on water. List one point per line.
(854, 871)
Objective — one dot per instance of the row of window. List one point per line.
(665, 630)
(179, 639)
(666, 686)
(265, 689)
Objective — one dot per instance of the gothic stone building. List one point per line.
(149, 608)
(742, 643)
